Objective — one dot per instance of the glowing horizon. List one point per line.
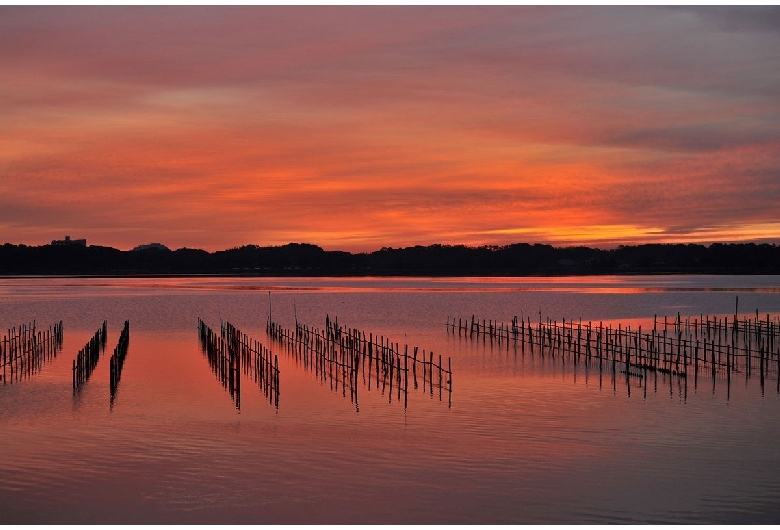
(357, 128)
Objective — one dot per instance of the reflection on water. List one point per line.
(68, 287)
(544, 434)
(25, 349)
(678, 349)
(117, 360)
(339, 354)
(88, 357)
(231, 350)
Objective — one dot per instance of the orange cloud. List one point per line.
(357, 128)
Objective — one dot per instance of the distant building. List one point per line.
(69, 241)
(158, 246)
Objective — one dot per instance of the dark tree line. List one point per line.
(433, 260)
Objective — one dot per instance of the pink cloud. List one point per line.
(365, 127)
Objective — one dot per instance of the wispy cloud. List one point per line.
(364, 127)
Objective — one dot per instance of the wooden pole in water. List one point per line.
(430, 370)
(440, 374)
(406, 366)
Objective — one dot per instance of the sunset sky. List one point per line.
(362, 127)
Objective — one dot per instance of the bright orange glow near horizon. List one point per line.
(356, 128)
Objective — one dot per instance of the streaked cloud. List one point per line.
(357, 128)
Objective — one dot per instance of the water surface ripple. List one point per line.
(527, 438)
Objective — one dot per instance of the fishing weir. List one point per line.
(25, 349)
(118, 359)
(88, 357)
(715, 347)
(347, 356)
(258, 363)
(231, 349)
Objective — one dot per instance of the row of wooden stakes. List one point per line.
(25, 349)
(88, 357)
(328, 364)
(258, 362)
(340, 354)
(225, 352)
(721, 348)
(118, 359)
(746, 335)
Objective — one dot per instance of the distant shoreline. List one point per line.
(441, 261)
(382, 276)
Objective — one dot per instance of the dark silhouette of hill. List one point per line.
(434, 260)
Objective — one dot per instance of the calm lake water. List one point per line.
(525, 439)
